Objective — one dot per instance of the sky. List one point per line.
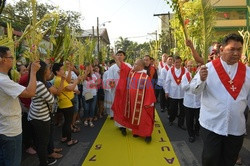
(132, 19)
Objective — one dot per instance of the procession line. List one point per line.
(111, 148)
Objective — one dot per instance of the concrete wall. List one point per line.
(230, 23)
(228, 3)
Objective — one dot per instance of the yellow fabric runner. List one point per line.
(111, 148)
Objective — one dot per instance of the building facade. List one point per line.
(231, 16)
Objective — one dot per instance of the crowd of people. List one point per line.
(208, 99)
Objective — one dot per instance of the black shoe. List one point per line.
(111, 118)
(148, 139)
(170, 123)
(51, 161)
(191, 139)
(123, 130)
(182, 127)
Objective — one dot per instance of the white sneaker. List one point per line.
(51, 161)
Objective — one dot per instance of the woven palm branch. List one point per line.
(33, 33)
(57, 51)
(246, 45)
(177, 6)
(207, 28)
(9, 42)
(90, 44)
(154, 49)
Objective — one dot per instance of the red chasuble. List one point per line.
(132, 104)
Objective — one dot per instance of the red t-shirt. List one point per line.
(24, 81)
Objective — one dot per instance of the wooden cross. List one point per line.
(233, 88)
(230, 82)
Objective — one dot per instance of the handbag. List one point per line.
(88, 96)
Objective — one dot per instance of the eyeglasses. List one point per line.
(232, 51)
(11, 57)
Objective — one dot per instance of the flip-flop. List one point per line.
(63, 140)
(56, 155)
(57, 150)
(75, 130)
(73, 142)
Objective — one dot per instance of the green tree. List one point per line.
(19, 15)
(133, 49)
(194, 25)
(122, 44)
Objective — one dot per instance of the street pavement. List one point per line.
(189, 154)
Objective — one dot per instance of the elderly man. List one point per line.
(224, 84)
(10, 110)
(134, 99)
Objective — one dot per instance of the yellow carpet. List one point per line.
(111, 148)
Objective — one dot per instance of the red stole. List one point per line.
(166, 67)
(188, 76)
(161, 64)
(232, 86)
(178, 79)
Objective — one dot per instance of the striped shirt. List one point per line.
(39, 103)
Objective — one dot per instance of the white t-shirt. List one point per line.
(10, 109)
(87, 86)
(73, 77)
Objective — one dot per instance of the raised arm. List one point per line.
(195, 54)
(116, 60)
(30, 91)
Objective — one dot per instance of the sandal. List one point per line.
(56, 155)
(57, 150)
(75, 130)
(73, 142)
(95, 118)
(91, 124)
(238, 162)
(63, 140)
(85, 123)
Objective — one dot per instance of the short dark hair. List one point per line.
(3, 51)
(56, 67)
(234, 37)
(120, 51)
(41, 72)
(147, 56)
(111, 61)
(177, 57)
(170, 56)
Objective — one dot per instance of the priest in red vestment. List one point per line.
(134, 99)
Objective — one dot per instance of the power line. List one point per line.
(119, 8)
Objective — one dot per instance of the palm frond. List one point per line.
(207, 28)
(246, 45)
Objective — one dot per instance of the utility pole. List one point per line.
(93, 32)
(170, 34)
(98, 38)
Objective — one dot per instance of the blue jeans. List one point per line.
(89, 107)
(75, 103)
(10, 150)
